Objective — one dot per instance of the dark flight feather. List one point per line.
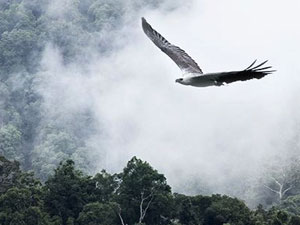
(249, 73)
(179, 56)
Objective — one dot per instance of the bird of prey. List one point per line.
(192, 74)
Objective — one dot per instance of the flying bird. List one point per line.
(192, 74)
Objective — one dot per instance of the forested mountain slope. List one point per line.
(27, 133)
(40, 128)
(137, 195)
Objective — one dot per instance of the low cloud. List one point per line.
(217, 137)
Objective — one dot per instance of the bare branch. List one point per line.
(277, 192)
(141, 207)
(147, 207)
(289, 188)
(120, 216)
(144, 211)
(277, 182)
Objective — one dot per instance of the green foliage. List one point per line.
(10, 141)
(20, 191)
(23, 206)
(140, 181)
(105, 13)
(98, 213)
(295, 220)
(56, 147)
(216, 209)
(190, 210)
(66, 192)
(9, 174)
(139, 195)
(106, 185)
(273, 217)
(291, 205)
(20, 38)
(12, 176)
(230, 210)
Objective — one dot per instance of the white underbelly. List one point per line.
(201, 81)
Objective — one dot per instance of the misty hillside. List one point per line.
(82, 89)
(38, 135)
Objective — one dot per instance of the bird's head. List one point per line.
(179, 80)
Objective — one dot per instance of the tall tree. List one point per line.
(143, 195)
(67, 191)
(282, 178)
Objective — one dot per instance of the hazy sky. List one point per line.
(217, 134)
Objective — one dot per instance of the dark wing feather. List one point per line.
(179, 56)
(251, 72)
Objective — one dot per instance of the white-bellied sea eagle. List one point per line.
(192, 74)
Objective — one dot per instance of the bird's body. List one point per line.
(197, 80)
(192, 74)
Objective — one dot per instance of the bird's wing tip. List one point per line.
(145, 24)
(258, 67)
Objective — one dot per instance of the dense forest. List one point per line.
(137, 195)
(45, 155)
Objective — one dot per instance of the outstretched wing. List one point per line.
(179, 56)
(250, 72)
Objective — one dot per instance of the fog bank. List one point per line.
(204, 140)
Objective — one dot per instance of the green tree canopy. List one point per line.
(10, 141)
(98, 213)
(143, 195)
(66, 192)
